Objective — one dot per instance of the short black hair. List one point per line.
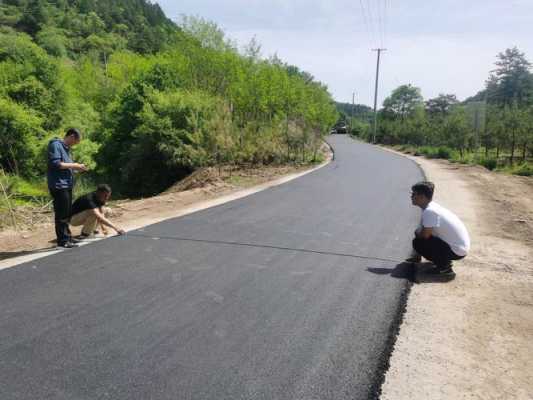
(103, 188)
(73, 132)
(424, 188)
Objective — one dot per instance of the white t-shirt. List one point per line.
(447, 226)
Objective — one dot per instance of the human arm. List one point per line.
(424, 233)
(105, 222)
(74, 166)
(56, 157)
(430, 220)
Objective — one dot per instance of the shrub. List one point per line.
(20, 132)
(444, 152)
(524, 169)
(489, 163)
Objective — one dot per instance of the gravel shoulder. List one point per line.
(472, 338)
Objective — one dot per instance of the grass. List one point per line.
(489, 161)
(523, 169)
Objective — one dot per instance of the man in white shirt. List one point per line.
(441, 236)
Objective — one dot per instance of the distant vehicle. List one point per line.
(332, 131)
(341, 128)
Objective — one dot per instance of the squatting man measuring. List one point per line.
(441, 237)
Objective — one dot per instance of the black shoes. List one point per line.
(68, 245)
(446, 271)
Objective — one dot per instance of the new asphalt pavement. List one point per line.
(291, 293)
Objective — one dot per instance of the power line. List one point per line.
(373, 38)
(365, 20)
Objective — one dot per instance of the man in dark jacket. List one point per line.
(61, 181)
(89, 211)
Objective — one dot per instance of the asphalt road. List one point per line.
(284, 294)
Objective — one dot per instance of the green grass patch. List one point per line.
(524, 169)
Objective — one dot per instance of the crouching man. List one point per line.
(441, 236)
(90, 212)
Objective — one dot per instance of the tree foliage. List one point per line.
(499, 118)
(155, 101)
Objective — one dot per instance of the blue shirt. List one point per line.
(58, 178)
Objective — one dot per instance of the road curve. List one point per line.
(285, 294)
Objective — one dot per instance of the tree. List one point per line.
(53, 40)
(20, 131)
(511, 82)
(515, 123)
(441, 105)
(456, 130)
(206, 32)
(403, 101)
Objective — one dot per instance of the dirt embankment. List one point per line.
(203, 186)
(472, 338)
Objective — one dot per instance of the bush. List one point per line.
(20, 133)
(524, 169)
(444, 152)
(489, 163)
(171, 140)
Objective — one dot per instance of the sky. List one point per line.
(446, 46)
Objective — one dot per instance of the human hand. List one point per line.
(82, 167)
(121, 231)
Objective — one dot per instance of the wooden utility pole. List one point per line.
(353, 106)
(379, 50)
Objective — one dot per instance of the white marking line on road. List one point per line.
(12, 262)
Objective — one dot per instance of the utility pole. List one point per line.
(379, 50)
(353, 106)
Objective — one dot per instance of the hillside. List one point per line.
(71, 27)
(154, 101)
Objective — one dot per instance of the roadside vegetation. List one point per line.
(154, 100)
(494, 128)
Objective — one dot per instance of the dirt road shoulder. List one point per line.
(472, 338)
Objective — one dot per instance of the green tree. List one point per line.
(20, 131)
(441, 105)
(511, 82)
(403, 101)
(456, 130)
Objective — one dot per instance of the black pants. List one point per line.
(435, 250)
(62, 209)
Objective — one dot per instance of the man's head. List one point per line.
(103, 192)
(72, 137)
(422, 193)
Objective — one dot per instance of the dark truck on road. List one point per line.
(341, 128)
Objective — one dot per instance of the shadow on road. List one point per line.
(416, 273)
(403, 270)
(4, 255)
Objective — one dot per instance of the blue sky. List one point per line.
(446, 46)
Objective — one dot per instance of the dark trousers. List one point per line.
(62, 209)
(435, 250)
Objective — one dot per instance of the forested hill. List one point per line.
(154, 100)
(70, 27)
(359, 111)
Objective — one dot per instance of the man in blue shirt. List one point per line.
(61, 181)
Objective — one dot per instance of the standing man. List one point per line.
(61, 181)
(441, 236)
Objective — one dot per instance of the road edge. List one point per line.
(395, 327)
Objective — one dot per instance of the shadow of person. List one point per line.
(403, 270)
(4, 255)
